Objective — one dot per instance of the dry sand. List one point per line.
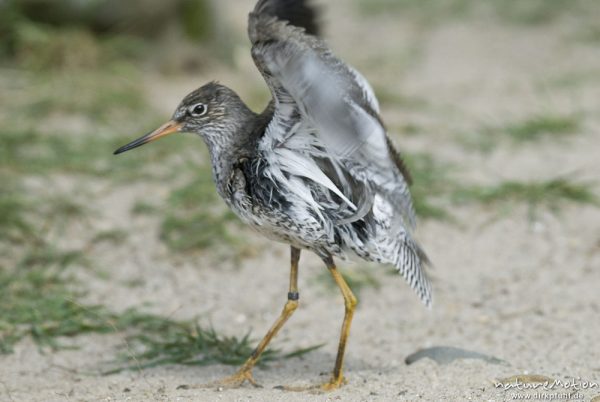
(525, 291)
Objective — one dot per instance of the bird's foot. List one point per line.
(329, 386)
(231, 382)
(334, 383)
(238, 379)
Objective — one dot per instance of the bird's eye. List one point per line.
(198, 110)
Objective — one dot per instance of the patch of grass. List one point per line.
(589, 34)
(570, 79)
(409, 129)
(29, 152)
(530, 12)
(549, 194)
(44, 47)
(197, 18)
(70, 121)
(114, 236)
(14, 226)
(108, 95)
(63, 206)
(431, 183)
(160, 341)
(539, 126)
(9, 19)
(428, 10)
(102, 96)
(163, 343)
(531, 129)
(41, 47)
(535, 12)
(134, 283)
(144, 208)
(47, 258)
(38, 301)
(24, 220)
(387, 96)
(196, 218)
(47, 129)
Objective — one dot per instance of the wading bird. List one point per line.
(315, 169)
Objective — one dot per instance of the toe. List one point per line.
(238, 379)
(235, 381)
(333, 384)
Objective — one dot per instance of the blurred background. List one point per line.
(494, 104)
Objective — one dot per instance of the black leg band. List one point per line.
(293, 296)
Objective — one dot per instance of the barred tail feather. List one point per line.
(410, 262)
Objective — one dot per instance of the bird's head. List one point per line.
(213, 111)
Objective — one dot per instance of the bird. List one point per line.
(315, 169)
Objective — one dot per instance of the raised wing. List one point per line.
(310, 84)
(326, 133)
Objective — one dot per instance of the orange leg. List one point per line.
(245, 372)
(350, 302)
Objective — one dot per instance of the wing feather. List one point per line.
(298, 13)
(308, 82)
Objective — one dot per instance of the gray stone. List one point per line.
(448, 354)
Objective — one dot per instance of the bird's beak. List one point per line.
(168, 128)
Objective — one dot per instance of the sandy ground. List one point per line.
(524, 291)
